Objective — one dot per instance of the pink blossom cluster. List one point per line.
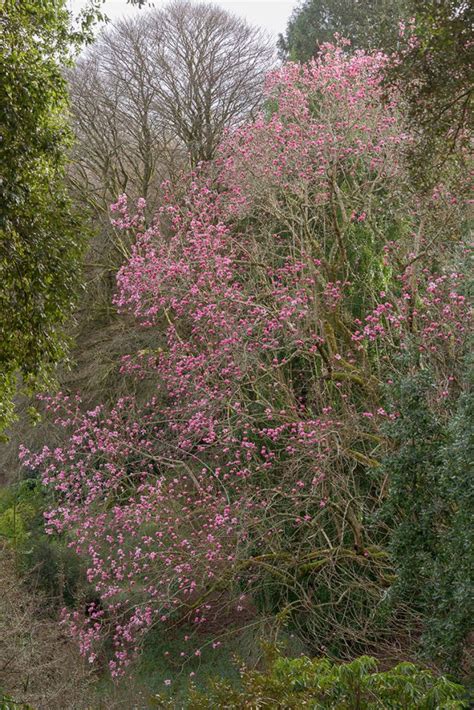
(265, 397)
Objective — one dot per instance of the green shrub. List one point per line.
(6, 703)
(44, 561)
(12, 527)
(19, 506)
(431, 506)
(318, 683)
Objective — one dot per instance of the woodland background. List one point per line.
(236, 376)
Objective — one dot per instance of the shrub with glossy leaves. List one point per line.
(431, 504)
(319, 684)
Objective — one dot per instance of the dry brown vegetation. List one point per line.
(39, 665)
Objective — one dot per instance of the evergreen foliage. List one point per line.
(293, 683)
(368, 24)
(431, 499)
(40, 238)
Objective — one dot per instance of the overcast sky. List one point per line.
(272, 15)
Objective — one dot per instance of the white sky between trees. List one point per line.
(271, 15)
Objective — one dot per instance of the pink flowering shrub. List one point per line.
(279, 288)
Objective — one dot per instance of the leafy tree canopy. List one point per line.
(367, 24)
(434, 69)
(40, 238)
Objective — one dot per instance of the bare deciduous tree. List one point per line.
(209, 73)
(151, 97)
(157, 91)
